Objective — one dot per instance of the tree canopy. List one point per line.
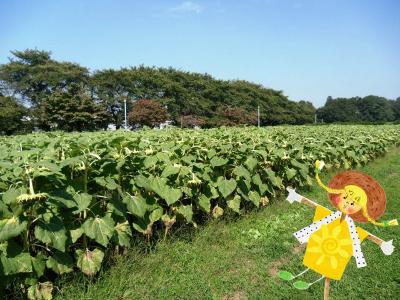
(147, 112)
(370, 109)
(49, 90)
(13, 116)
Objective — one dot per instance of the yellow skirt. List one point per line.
(330, 248)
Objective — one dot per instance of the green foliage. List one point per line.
(89, 262)
(370, 109)
(68, 199)
(240, 258)
(64, 95)
(34, 75)
(72, 110)
(13, 116)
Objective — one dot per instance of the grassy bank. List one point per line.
(238, 259)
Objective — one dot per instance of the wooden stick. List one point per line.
(374, 239)
(326, 288)
(309, 202)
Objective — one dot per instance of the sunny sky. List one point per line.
(310, 49)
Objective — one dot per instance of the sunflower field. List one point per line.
(69, 200)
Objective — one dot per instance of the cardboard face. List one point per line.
(352, 200)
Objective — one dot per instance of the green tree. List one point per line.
(72, 110)
(356, 109)
(340, 110)
(375, 109)
(13, 116)
(33, 75)
(111, 89)
(396, 109)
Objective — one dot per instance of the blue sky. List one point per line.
(310, 49)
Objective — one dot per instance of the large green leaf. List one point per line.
(234, 204)
(204, 203)
(170, 195)
(241, 171)
(150, 161)
(60, 262)
(10, 196)
(39, 264)
(170, 170)
(21, 263)
(275, 180)
(4, 211)
(89, 262)
(160, 187)
(186, 211)
(290, 173)
(99, 229)
(142, 181)
(123, 233)
(255, 198)
(76, 234)
(107, 182)
(227, 187)
(82, 202)
(136, 204)
(261, 186)
(11, 227)
(156, 214)
(218, 161)
(51, 231)
(251, 163)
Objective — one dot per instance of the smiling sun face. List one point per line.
(330, 246)
(352, 200)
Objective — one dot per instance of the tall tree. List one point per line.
(147, 112)
(396, 109)
(356, 109)
(33, 75)
(72, 110)
(13, 116)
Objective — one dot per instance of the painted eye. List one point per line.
(351, 193)
(357, 199)
(352, 203)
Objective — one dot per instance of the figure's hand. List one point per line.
(387, 247)
(293, 196)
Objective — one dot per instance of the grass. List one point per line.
(238, 259)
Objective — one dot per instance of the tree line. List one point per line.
(39, 91)
(369, 109)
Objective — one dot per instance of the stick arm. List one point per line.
(375, 239)
(386, 246)
(295, 197)
(308, 202)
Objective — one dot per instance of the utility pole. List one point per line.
(258, 116)
(126, 124)
(315, 119)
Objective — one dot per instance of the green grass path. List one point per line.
(238, 259)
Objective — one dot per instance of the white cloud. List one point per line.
(187, 7)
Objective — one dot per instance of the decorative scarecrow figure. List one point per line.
(333, 237)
